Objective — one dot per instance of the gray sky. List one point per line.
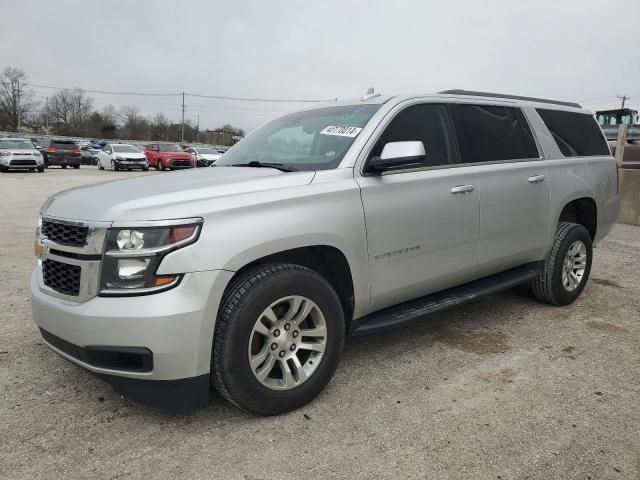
(564, 49)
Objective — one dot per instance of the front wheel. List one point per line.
(279, 334)
(160, 166)
(567, 267)
(41, 169)
(114, 168)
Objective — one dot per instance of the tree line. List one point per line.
(71, 112)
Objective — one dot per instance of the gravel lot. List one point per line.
(502, 388)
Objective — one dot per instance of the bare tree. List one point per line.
(59, 108)
(109, 115)
(81, 107)
(129, 115)
(159, 126)
(16, 100)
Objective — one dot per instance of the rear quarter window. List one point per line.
(577, 134)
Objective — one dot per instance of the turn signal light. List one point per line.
(158, 282)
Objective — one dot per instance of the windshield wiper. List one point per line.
(256, 164)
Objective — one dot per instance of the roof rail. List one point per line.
(513, 97)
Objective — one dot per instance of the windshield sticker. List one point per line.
(341, 131)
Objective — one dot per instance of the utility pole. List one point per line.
(198, 128)
(623, 99)
(46, 112)
(182, 128)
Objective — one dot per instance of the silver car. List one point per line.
(345, 219)
(19, 154)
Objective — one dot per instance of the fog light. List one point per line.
(132, 268)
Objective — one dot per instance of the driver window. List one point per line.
(429, 123)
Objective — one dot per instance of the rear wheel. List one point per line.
(567, 267)
(279, 335)
(76, 166)
(63, 166)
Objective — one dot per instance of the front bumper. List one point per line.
(175, 326)
(131, 164)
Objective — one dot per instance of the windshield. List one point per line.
(207, 151)
(17, 144)
(164, 147)
(310, 140)
(126, 149)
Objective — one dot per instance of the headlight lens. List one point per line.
(133, 255)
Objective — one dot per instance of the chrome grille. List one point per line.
(65, 234)
(62, 277)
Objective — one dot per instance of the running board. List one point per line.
(415, 309)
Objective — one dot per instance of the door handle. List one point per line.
(536, 179)
(462, 189)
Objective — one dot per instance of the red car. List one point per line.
(167, 156)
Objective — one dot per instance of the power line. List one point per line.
(196, 95)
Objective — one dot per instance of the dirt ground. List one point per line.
(501, 388)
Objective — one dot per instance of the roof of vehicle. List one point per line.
(457, 94)
(123, 144)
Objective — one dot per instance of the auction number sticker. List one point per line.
(341, 131)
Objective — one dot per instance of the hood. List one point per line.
(210, 156)
(20, 151)
(167, 196)
(130, 155)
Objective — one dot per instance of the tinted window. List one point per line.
(64, 144)
(428, 123)
(492, 133)
(169, 147)
(577, 134)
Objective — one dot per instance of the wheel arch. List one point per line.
(583, 211)
(327, 260)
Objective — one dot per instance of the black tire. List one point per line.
(63, 166)
(100, 167)
(76, 166)
(244, 300)
(548, 287)
(41, 169)
(160, 166)
(114, 167)
(3, 169)
(145, 169)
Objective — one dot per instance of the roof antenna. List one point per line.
(370, 94)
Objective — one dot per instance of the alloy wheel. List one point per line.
(287, 343)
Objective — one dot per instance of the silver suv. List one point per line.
(342, 220)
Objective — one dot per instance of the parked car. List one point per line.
(89, 154)
(65, 153)
(121, 156)
(346, 219)
(167, 156)
(203, 156)
(19, 154)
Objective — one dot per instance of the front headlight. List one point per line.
(133, 255)
(5, 154)
(37, 154)
(120, 159)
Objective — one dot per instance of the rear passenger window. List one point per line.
(429, 123)
(577, 134)
(489, 133)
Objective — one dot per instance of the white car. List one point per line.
(19, 154)
(117, 156)
(204, 156)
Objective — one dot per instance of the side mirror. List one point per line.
(398, 154)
